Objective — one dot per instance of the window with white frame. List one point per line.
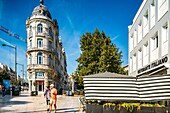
(165, 33)
(139, 58)
(50, 32)
(39, 74)
(50, 60)
(152, 14)
(39, 42)
(39, 28)
(50, 45)
(145, 49)
(140, 31)
(30, 43)
(145, 23)
(30, 31)
(161, 2)
(40, 58)
(154, 42)
(145, 19)
(162, 8)
(135, 38)
(30, 59)
(131, 42)
(134, 62)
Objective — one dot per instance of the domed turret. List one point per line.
(41, 10)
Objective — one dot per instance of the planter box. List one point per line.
(160, 110)
(111, 109)
(90, 108)
(34, 93)
(15, 93)
(147, 110)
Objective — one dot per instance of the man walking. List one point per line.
(47, 96)
(53, 98)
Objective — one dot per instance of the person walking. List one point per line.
(47, 96)
(3, 91)
(53, 99)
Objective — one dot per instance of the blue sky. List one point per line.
(75, 17)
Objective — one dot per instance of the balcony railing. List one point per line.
(44, 47)
(44, 34)
(44, 66)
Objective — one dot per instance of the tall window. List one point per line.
(39, 58)
(145, 23)
(131, 65)
(140, 31)
(139, 58)
(162, 8)
(154, 42)
(152, 14)
(39, 28)
(145, 50)
(50, 45)
(50, 32)
(50, 60)
(30, 31)
(134, 62)
(30, 43)
(131, 42)
(135, 38)
(30, 58)
(56, 43)
(49, 76)
(165, 32)
(39, 42)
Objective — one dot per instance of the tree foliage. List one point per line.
(4, 75)
(98, 55)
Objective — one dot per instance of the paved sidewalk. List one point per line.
(36, 104)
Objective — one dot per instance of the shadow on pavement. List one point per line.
(19, 102)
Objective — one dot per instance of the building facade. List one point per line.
(46, 59)
(149, 39)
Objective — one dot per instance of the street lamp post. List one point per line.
(15, 48)
(22, 69)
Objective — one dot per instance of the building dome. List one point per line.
(41, 10)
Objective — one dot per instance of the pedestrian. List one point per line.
(47, 96)
(3, 91)
(53, 99)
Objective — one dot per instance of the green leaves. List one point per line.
(99, 55)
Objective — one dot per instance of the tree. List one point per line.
(4, 75)
(98, 55)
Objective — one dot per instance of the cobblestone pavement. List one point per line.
(36, 104)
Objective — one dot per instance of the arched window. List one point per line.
(50, 32)
(39, 28)
(39, 42)
(50, 60)
(39, 58)
(30, 58)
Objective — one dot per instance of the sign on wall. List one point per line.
(154, 64)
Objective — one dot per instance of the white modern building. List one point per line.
(46, 59)
(149, 39)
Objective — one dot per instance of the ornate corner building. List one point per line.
(46, 59)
